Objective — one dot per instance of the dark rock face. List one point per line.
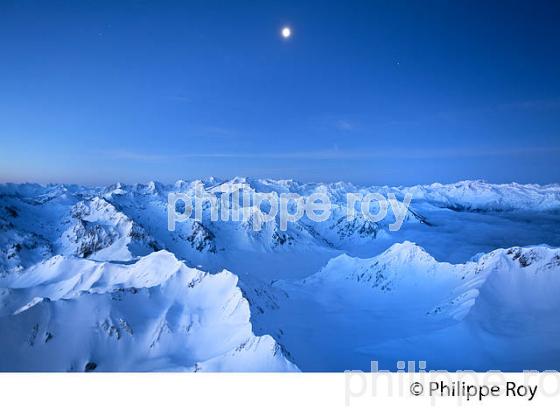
(201, 238)
(12, 211)
(524, 258)
(282, 238)
(92, 238)
(90, 367)
(362, 228)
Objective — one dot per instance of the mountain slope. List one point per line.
(500, 310)
(69, 314)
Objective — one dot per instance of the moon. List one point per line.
(286, 32)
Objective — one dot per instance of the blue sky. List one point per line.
(373, 92)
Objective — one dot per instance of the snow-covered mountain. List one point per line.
(482, 196)
(92, 279)
(72, 314)
(500, 311)
(121, 222)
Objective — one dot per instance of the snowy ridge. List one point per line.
(402, 271)
(100, 231)
(519, 278)
(523, 281)
(482, 196)
(71, 314)
(501, 309)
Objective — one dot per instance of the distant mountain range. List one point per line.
(91, 279)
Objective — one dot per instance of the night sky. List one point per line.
(372, 92)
